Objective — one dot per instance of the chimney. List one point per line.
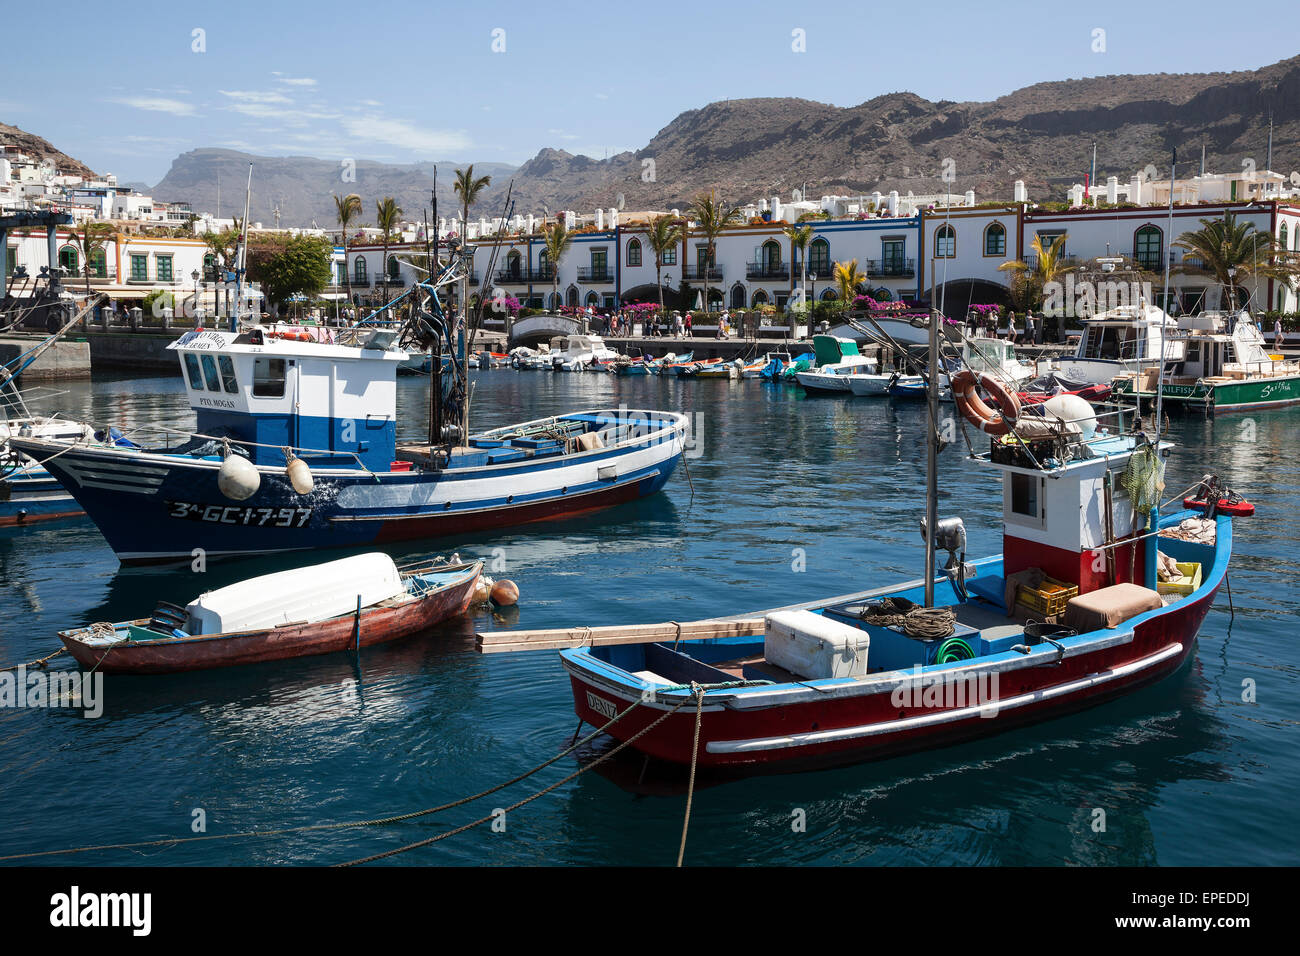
(1019, 191)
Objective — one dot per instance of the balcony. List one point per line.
(524, 276)
(1065, 262)
(696, 274)
(594, 274)
(895, 268)
(768, 271)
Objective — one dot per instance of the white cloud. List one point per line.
(157, 104)
(406, 136)
(298, 80)
(602, 96)
(255, 96)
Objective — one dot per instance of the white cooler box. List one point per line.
(814, 646)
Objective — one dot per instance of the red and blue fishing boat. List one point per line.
(1082, 605)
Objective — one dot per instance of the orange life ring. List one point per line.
(976, 412)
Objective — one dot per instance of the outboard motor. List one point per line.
(950, 536)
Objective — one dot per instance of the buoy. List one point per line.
(482, 589)
(1072, 408)
(299, 474)
(504, 593)
(237, 478)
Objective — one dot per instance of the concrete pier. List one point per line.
(64, 359)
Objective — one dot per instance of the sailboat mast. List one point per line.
(932, 454)
(1169, 231)
(242, 262)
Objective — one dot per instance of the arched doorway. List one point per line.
(737, 296)
(571, 297)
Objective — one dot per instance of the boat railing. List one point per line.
(301, 452)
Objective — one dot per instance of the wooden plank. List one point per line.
(495, 642)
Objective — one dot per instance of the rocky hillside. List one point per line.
(1042, 134)
(34, 145)
(303, 188)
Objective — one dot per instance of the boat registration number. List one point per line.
(600, 705)
(240, 515)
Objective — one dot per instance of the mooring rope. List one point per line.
(690, 786)
(345, 824)
(38, 663)
(540, 793)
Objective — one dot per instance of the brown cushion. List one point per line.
(1109, 607)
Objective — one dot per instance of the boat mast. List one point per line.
(242, 259)
(1169, 254)
(435, 350)
(931, 454)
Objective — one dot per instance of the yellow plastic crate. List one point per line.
(1189, 582)
(1050, 597)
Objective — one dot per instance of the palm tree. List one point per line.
(347, 208)
(91, 239)
(799, 237)
(468, 189)
(556, 240)
(711, 218)
(1233, 250)
(387, 216)
(1049, 265)
(662, 235)
(847, 279)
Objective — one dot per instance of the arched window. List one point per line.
(210, 267)
(760, 298)
(359, 269)
(715, 299)
(829, 295)
(572, 297)
(634, 252)
(1148, 248)
(394, 269)
(98, 264)
(513, 264)
(995, 240)
(68, 260)
(555, 301)
(1281, 236)
(593, 300)
(819, 257)
(945, 242)
(543, 265)
(737, 296)
(771, 255)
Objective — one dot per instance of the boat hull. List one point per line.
(156, 508)
(836, 731)
(378, 625)
(1238, 396)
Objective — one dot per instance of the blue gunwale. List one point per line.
(582, 659)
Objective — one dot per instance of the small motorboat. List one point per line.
(340, 605)
(1211, 498)
(869, 384)
(774, 365)
(728, 370)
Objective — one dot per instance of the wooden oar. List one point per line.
(494, 642)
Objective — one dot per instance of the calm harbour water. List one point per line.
(1186, 771)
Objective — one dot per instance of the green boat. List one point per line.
(1220, 371)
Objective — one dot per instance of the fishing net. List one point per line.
(1144, 480)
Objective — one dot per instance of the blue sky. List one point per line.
(402, 82)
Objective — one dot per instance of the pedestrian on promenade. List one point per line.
(1011, 328)
(1279, 339)
(687, 325)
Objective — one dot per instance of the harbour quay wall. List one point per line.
(63, 359)
(138, 350)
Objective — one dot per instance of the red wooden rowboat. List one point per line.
(426, 596)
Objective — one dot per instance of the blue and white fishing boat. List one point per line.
(295, 447)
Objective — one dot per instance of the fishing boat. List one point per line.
(340, 605)
(1225, 368)
(719, 369)
(574, 353)
(1071, 613)
(690, 369)
(1121, 341)
(29, 493)
(296, 448)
